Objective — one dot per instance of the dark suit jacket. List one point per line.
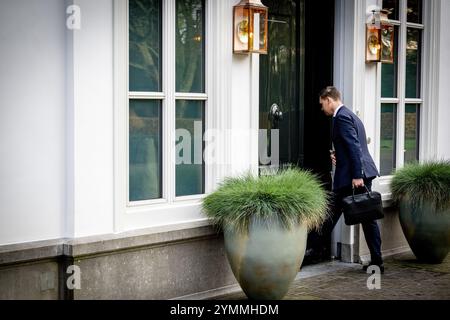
(353, 160)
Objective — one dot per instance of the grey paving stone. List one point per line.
(405, 279)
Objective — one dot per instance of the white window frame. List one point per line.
(401, 101)
(168, 210)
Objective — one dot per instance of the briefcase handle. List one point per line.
(368, 192)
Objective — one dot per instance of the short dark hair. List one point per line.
(330, 92)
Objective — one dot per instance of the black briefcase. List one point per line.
(360, 208)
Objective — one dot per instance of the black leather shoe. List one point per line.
(381, 266)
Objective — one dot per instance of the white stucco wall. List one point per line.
(32, 172)
(56, 120)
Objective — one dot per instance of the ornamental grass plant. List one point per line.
(292, 196)
(424, 183)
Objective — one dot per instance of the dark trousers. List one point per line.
(371, 229)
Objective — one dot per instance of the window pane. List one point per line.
(190, 39)
(413, 63)
(392, 7)
(389, 73)
(412, 117)
(145, 149)
(388, 138)
(145, 45)
(189, 148)
(415, 11)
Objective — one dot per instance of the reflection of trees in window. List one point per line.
(189, 46)
(145, 150)
(392, 7)
(413, 63)
(389, 72)
(388, 138)
(414, 11)
(145, 45)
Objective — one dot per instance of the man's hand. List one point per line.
(333, 157)
(357, 183)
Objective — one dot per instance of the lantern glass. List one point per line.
(241, 29)
(373, 43)
(387, 43)
(260, 31)
(387, 38)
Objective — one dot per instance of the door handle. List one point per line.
(275, 115)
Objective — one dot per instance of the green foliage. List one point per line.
(419, 183)
(294, 196)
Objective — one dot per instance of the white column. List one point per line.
(89, 122)
(221, 83)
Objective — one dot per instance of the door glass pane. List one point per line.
(415, 11)
(145, 150)
(413, 63)
(412, 133)
(389, 73)
(189, 148)
(392, 7)
(279, 84)
(388, 138)
(145, 45)
(190, 43)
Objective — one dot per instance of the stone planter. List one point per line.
(427, 231)
(266, 260)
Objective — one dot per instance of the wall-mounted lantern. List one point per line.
(250, 24)
(380, 35)
(373, 39)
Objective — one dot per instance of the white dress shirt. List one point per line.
(337, 110)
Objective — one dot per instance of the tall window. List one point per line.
(401, 96)
(160, 104)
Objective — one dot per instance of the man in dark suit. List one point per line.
(354, 166)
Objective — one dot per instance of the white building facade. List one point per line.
(92, 94)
